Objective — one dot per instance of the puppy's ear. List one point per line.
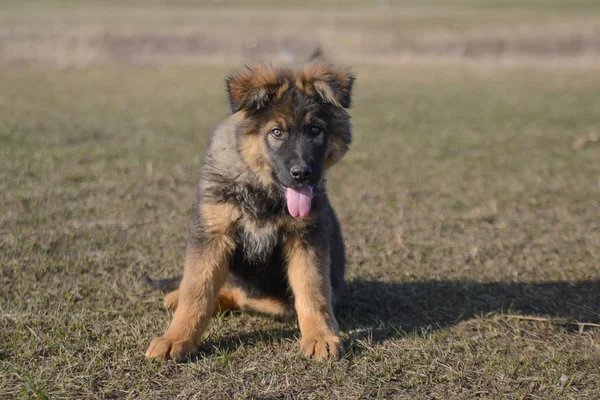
(252, 87)
(333, 84)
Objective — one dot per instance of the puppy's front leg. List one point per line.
(205, 271)
(308, 274)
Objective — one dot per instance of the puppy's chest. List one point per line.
(257, 240)
(260, 229)
(256, 203)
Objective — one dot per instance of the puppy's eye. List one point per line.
(315, 130)
(276, 133)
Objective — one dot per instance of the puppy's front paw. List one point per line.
(321, 347)
(163, 348)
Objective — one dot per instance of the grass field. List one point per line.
(470, 205)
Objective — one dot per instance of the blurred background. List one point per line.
(469, 201)
(71, 32)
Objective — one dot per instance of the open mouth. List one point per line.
(299, 200)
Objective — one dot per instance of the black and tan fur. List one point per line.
(245, 250)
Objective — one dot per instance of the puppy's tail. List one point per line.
(163, 284)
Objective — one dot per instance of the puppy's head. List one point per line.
(295, 125)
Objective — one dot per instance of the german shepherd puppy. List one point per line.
(265, 236)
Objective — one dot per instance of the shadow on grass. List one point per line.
(385, 310)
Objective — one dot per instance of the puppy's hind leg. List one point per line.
(226, 300)
(170, 285)
(269, 306)
(171, 300)
(235, 298)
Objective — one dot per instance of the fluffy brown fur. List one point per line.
(245, 250)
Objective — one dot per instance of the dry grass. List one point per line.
(461, 200)
(469, 203)
(67, 33)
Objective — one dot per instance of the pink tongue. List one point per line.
(298, 201)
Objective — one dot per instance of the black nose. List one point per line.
(301, 173)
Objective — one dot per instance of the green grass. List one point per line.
(462, 202)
